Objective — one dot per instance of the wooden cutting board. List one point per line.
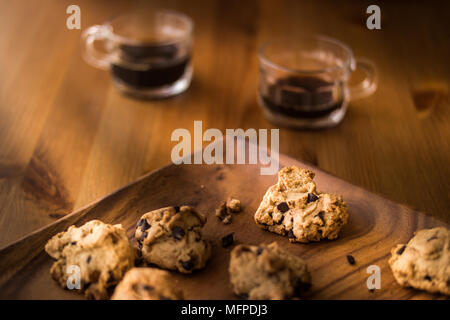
(375, 226)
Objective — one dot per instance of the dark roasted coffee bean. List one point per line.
(351, 260)
(400, 251)
(145, 225)
(228, 240)
(311, 198)
(177, 233)
(427, 277)
(291, 234)
(177, 208)
(283, 207)
(187, 265)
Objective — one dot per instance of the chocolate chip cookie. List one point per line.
(102, 252)
(424, 263)
(171, 238)
(295, 208)
(147, 284)
(267, 272)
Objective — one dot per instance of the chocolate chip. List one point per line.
(321, 216)
(146, 287)
(280, 221)
(73, 243)
(283, 207)
(291, 234)
(432, 238)
(351, 259)
(140, 222)
(400, 251)
(427, 277)
(145, 225)
(88, 259)
(259, 251)
(228, 240)
(187, 265)
(177, 233)
(301, 287)
(143, 236)
(177, 209)
(110, 277)
(311, 198)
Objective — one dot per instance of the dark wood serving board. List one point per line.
(375, 226)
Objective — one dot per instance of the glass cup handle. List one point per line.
(369, 84)
(90, 54)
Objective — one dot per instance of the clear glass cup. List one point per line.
(304, 82)
(148, 54)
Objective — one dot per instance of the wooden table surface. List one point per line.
(67, 137)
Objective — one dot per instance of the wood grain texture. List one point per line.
(68, 137)
(375, 226)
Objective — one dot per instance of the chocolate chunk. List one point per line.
(321, 216)
(400, 251)
(243, 296)
(259, 251)
(110, 277)
(228, 240)
(177, 208)
(291, 234)
(283, 207)
(301, 287)
(177, 233)
(427, 277)
(432, 238)
(88, 259)
(187, 265)
(351, 260)
(145, 225)
(312, 197)
(146, 287)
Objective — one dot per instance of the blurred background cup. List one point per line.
(148, 54)
(304, 82)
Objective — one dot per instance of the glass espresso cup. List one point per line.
(304, 83)
(148, 55)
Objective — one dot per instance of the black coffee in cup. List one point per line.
(303, 97)
(149, 66)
